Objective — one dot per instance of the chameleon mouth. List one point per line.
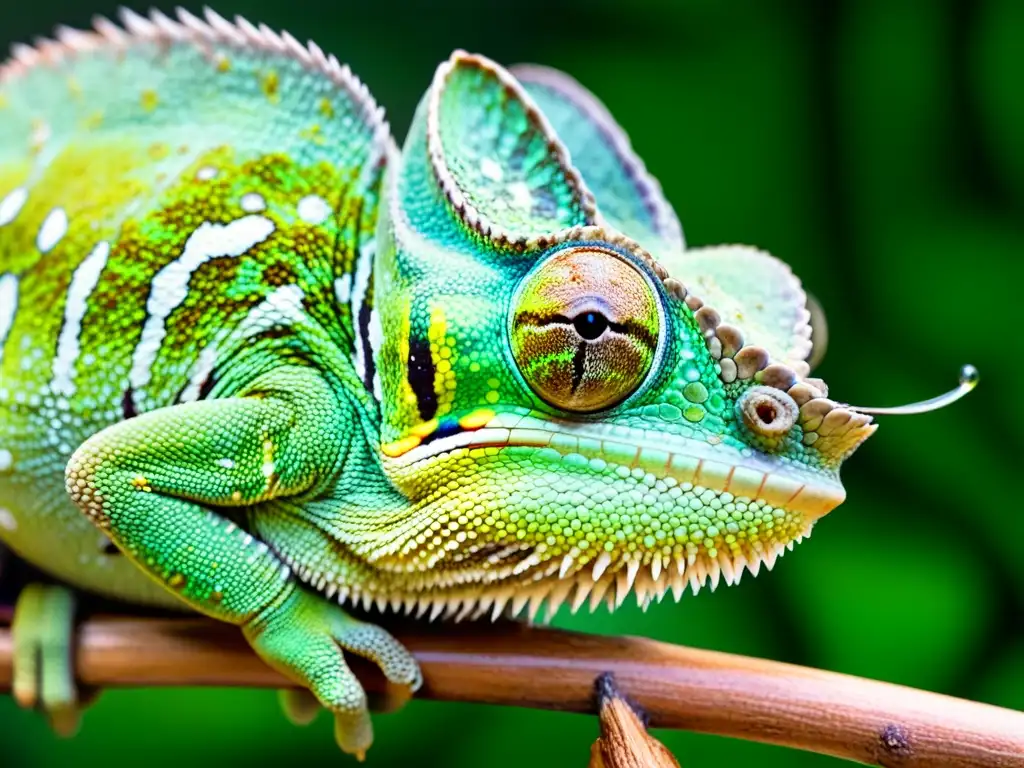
(722, 468)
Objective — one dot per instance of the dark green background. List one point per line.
(876, 145)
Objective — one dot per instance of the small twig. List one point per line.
(677, 687)
(624, 741)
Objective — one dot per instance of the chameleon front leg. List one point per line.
(151, 481)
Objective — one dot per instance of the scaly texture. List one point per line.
(279, 357)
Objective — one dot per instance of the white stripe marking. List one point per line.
(8, 307)
(83, 283)
(313, 209)
(201, 371)
(12, 204)
(170, 285)
(282, 308)
(54, 227)
(360, 284)
(376, 334)
(343, 288)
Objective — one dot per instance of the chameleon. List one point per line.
(260, 362)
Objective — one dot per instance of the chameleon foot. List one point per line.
(304, 637)
(43, 630)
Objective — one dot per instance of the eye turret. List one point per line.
(585, 328)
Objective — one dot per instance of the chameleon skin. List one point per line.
(284, 366)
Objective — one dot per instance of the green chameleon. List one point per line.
(258, 361)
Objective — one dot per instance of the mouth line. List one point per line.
(716, 467)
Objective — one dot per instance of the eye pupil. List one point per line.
(590, 325)
(766, 412)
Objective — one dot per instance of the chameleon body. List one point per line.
(258, 361)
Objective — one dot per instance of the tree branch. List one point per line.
(678, 687)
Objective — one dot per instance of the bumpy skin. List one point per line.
(278, 357)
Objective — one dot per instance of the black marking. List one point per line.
(579, 362)
(110, 548)
(207, 386)
(365, 312)
(128, 404)
(421, 376)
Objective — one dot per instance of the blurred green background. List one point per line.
(878, 147)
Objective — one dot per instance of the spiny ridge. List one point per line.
(572, 582)
(212, 29)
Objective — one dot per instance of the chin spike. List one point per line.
(581, 595)
(969, 377)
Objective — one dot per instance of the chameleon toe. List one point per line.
(300, 707)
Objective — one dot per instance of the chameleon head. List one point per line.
(567, 420)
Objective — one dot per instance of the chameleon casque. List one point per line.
(256, 360)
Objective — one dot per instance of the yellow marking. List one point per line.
(177, 580)
(424, 429)
(159, 150)
(326, 108)
(236, 496)
(75, 89)
(140, 483)
(149, 100)
(93, 121)
(400, 447)
(442, 356)
(271, 85)
(313, 135)
(223, 64)
(492, 397)
(477, 419)
(4, 103)
(407, 401)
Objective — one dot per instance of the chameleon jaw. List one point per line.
(715, 467)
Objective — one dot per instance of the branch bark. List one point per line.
(833, 714)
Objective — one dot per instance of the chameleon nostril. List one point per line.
(766, 412)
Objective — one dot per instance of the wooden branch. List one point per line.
(766, 701)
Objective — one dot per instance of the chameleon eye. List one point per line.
(584, 329)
